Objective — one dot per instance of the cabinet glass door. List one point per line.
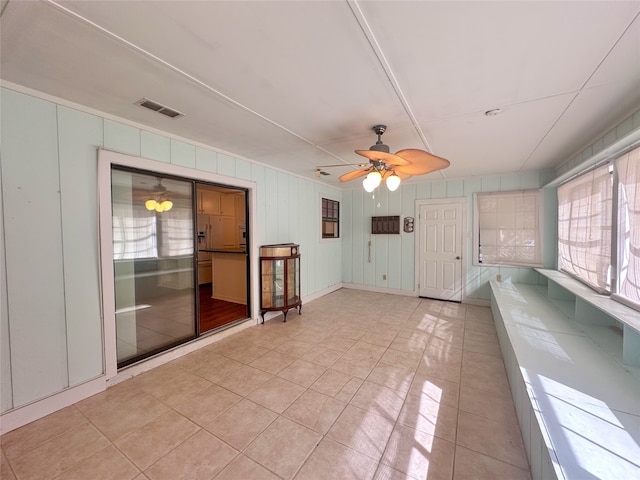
(278, 283)
(272, 283)
(293, 285)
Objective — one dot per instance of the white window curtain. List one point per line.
(508, 228)
(628, 168)
(584, 228)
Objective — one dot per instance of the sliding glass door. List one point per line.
(153, 255)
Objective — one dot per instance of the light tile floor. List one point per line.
(360, 386)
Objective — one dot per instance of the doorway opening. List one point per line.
(222, 255)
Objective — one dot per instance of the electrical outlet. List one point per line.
(498, 278)
(384, 276)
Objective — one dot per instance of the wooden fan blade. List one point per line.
(353, 175)
(388, 158)
(344, 165)
(420, 162)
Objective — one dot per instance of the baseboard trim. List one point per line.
(21, 416)
(166, 357)
(309, 298)
(370, 288)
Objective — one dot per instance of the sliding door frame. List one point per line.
(108, 158)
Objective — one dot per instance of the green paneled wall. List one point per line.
(78, 135)
(33, 241)
(51, 316)
(394, 255)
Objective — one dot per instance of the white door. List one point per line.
(440, 251)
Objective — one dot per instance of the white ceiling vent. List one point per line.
(157, 107)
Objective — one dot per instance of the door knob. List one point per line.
(458, 258)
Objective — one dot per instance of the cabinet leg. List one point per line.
(284, 313)
(262, 315)
(300, 309)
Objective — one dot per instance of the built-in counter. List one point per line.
(229, 276)
(241, 251)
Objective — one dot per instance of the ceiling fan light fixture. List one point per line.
(158, 201)
(368, 186)
(393, 167)
(374, 178)
(393, 182)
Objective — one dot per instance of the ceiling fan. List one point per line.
(391, 167)
(157, 198)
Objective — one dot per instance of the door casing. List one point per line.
(107, 158)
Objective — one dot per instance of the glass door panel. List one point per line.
(153, 255)
(292, 280)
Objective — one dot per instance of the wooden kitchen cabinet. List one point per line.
(209, 202)
(204, 273)
(228, 204)
(280, 278)
(240, 209)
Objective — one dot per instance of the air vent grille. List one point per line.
(388, 224)
(157, 107)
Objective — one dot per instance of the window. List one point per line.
(508, 228)
(628, 168)
(585, 206)
(599, 228)
(330, 218)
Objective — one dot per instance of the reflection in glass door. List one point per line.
(153, 255)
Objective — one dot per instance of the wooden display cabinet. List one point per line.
(280, 278)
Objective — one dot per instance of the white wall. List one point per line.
(51, 326)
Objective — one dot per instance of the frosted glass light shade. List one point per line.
(368, 186)
(150, 204)
(374, 178)
(393, 182)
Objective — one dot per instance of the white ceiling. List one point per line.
(298, 84)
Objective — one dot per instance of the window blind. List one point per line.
(584, 228)
(509, 228)
(628, 167)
